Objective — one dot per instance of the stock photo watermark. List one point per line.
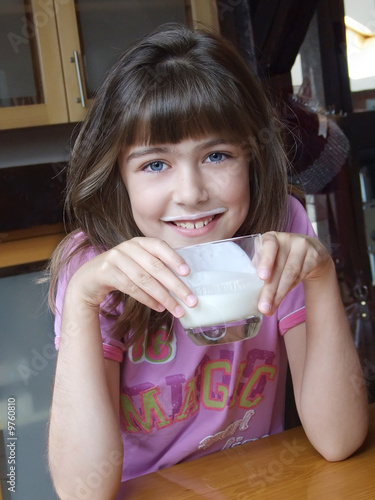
(38, 362)
(11, 445)
(102, 471)
(261, 477)
(28, 28)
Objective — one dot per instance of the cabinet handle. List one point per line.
(75, 59)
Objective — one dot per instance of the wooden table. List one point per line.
(282, 466)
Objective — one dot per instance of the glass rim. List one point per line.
(234, 239)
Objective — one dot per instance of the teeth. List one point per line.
(192, 225)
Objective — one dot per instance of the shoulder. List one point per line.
(76, 250)
(298, 220)
(294, 205)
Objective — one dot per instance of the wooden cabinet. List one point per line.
(54, 53)
(31, 79)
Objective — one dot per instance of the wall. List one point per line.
(27, 364)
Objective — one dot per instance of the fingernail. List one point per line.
(264, 307)
(191, 300)
(263, 273)
(179, 312)
(184, 269)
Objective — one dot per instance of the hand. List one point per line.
(140, 268)
(286, 260)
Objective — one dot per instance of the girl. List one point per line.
(181, 147)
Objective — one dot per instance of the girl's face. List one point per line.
(187, 193)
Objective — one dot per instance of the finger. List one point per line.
(147, 279)
(157, 259)
(135, 282)
(162, 251)
(270, 249)
(267, 271)
(288, 273)
(267, 299)
(292, 265)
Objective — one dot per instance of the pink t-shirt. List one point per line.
(180, 401)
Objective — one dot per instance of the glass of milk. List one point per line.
(223, 275)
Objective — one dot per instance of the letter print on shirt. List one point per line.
(217, 385)
(161, 349)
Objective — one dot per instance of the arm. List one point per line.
(327, 377)
(85, 445)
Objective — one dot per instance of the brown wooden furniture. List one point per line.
(49, 37)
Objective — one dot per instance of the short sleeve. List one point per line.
(112, 349)
(291, 311)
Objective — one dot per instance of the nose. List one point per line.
(190, 187)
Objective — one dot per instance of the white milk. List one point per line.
(222, 297)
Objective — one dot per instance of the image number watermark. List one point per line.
(11, 445)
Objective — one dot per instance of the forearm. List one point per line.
(332, 397)
(85, 446)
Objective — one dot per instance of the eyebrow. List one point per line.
(146, 151)
(165, 149)
(216, 142)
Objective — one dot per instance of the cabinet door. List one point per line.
(94, 33)
(31, 79)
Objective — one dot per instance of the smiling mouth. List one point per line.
(195, 221)
(194, 225)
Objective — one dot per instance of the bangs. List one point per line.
(183, 105)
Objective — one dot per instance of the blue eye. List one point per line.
(216, 157)
(155, 166)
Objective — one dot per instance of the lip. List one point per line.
(195, 232)
(194, 217)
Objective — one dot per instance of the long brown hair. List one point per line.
(172, 85)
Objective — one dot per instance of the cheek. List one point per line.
(142, 206)
(227, 187)
(241, 198)
(147, 206)
(220, 182)
(237, 189)
(141, 215)
(136, 206)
